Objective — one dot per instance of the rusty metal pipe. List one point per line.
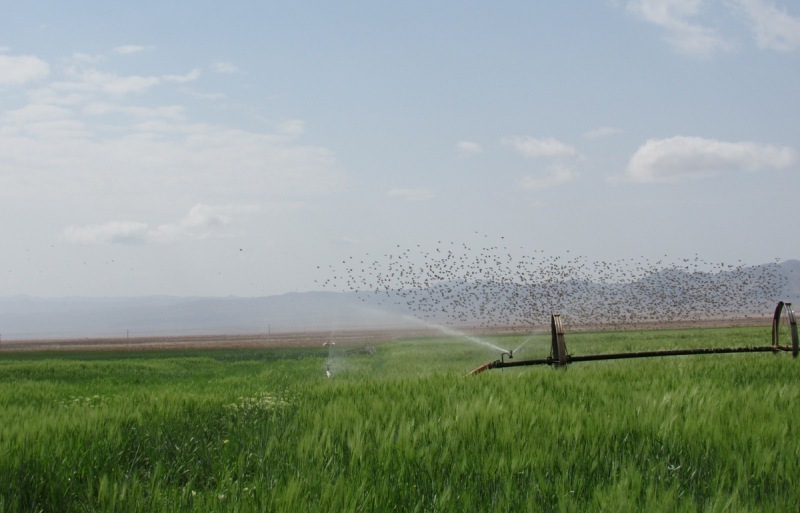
(499, 364)
(677, 352)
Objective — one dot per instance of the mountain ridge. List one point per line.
(30, 317)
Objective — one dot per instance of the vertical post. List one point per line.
(793, 329)
(559, 345)
(776, 323)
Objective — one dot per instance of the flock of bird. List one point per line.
(490, 286)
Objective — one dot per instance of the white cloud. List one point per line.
(202, 95)
(20, 69)
(85, 58)
(550, 147)
(774, 28)
(292, 127)
(412, 194)
(202, 221)
(534, 148)
(93, 80)
(131, 49)
(82, 133)
(34, 112)
(108, 233)
(40, 121)
(189, 77)
(679, 158)
(224, 67)
(559, 175)
(101, 108)
(677, 18)
(62, 155)
(602, 132)
(468, 148)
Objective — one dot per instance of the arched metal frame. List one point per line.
(781, 310)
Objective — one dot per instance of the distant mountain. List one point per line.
(26, 317)
(791, 271)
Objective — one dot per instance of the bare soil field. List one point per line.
(352, 337)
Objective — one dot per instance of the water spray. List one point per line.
(329, 344)
(458, 334)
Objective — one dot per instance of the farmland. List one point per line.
(399, 427)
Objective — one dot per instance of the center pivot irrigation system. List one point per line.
(784, 329)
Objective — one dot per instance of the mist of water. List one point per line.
(455, 333)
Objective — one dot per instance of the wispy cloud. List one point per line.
(558, 175)
(102, 108)
(414, 195)
(774, 28)
(681, 158)
(532, 147)
(602, 132)
(92, 80)
(131, 49)
(468, 148)
(115, 232)
(21, 69)
(101, 133)
(83, 76)
(679, 20)
(224, 67)
(692, 27)
(188, 77)
(548, 148)
(85, 58)
(200, 95)
(292, 127)
(202, 221)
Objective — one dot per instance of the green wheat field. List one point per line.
(402, 428)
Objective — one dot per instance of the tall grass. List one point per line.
(403, 429)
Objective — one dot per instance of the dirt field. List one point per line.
(318, 338)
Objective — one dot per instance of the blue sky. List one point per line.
(200, 148)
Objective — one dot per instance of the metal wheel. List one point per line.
(784, 328)
(558, 346)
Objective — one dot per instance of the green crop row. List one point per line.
(402, 428)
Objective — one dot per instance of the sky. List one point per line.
(230, 148)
